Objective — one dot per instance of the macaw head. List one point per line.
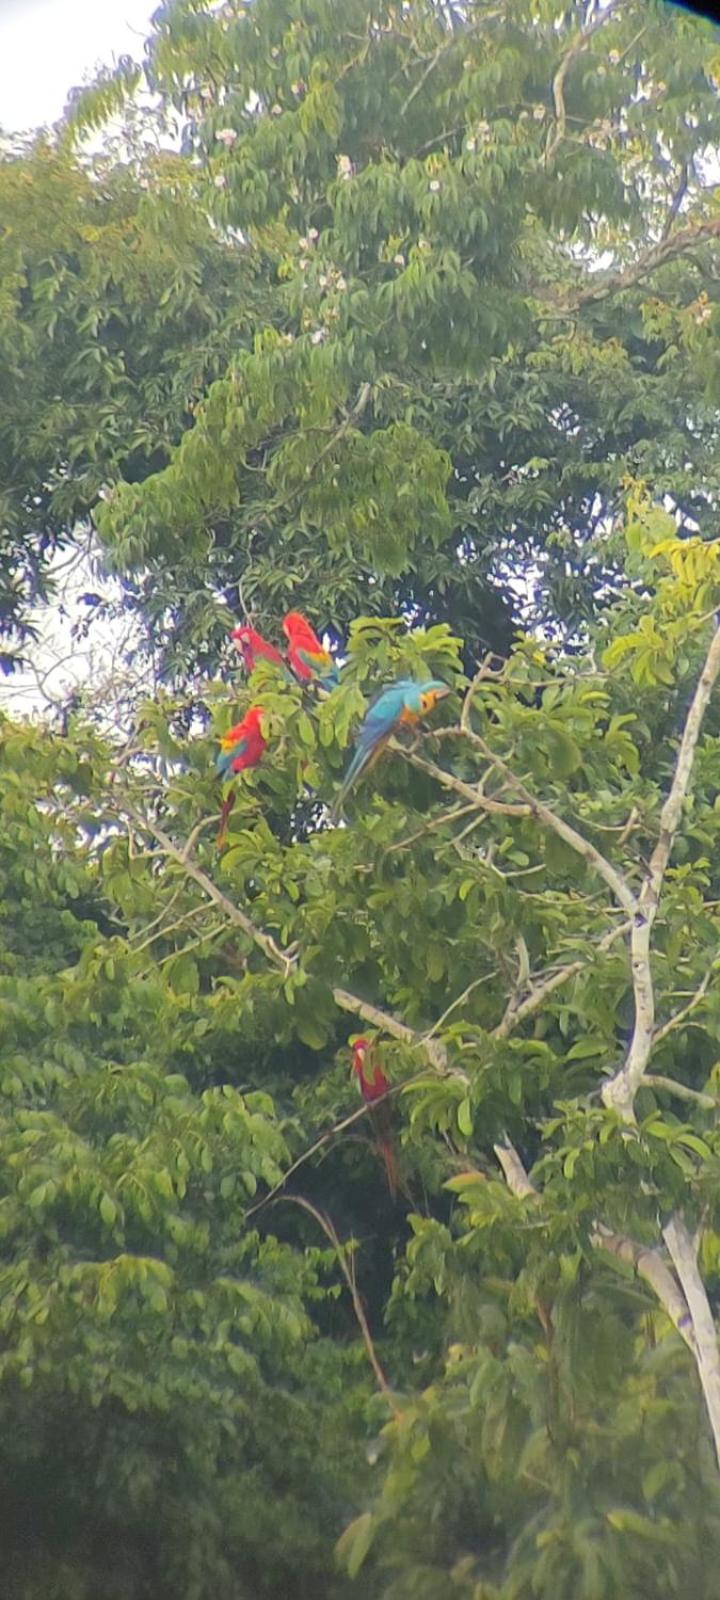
(294, 623)
(359, 1052)
(430, 693)
(246, 641)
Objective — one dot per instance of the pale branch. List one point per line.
(430, 827)
(323, 1221)
(476, 983)
(387, 1023)
(620, 1090)
(534, 993)
(576, 46)
(615, 880)
(514, 1172)
(675, 244)
(675, 1022)
(647, 1263)
(683, 1253)
(354, 415)
(431, 62)
(681, 1091)
(676, 202)
(286, 960)
(672, 809)
(469, 791)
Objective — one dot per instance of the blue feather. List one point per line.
(382, 717)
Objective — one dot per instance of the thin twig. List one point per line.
(576, 46)
(323, 1221)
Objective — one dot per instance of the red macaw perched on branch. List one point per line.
(240, 748)
(253, 648)
(307, 656)
(399, 705)
(373, 1086)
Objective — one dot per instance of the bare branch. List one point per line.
(576, 46)
(647, 1263)
(469, 791)
(324, 1222)
(536, 993)
(514, 1172)
(286, 960)
(680, 1016)
(615, 880)
(683, 1254)
(709, 1102)
(620, 1090)
(677, 243)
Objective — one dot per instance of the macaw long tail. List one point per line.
(361, 761)
(227, 806)
(388, 1154)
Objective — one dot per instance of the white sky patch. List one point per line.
(48, 47)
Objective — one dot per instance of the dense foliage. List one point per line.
(353, 348)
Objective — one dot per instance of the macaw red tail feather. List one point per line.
(224, 815)
(388, 1155)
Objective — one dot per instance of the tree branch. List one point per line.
(517, 1009)
(620, 1090)
(328, 1229)
(615, 880)
(667, 249)
(576, 46)
(683, 1254)
(681, 1091)
(469, 791)
(647, 1263)
(286, 960)
(679, 1018)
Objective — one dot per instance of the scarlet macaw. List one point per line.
(253, 648)
(399, 705)
(307, 656)
(240, 748)
(373, 1086)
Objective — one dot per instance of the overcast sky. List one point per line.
(49, 46)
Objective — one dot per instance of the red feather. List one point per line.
(373, 1086)
(253, 648)
(241, 748)
(303, 643)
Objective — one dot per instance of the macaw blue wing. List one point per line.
(225, 758)
(380, 720)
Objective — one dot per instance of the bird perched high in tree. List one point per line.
(241, 747)
(373, 1086)
(309, 659)
(253, 648)
(399, 705)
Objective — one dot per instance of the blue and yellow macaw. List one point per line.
(399, 705)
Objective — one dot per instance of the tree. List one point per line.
(446, 394)
(224, 1348)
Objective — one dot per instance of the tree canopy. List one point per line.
(416, 330)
